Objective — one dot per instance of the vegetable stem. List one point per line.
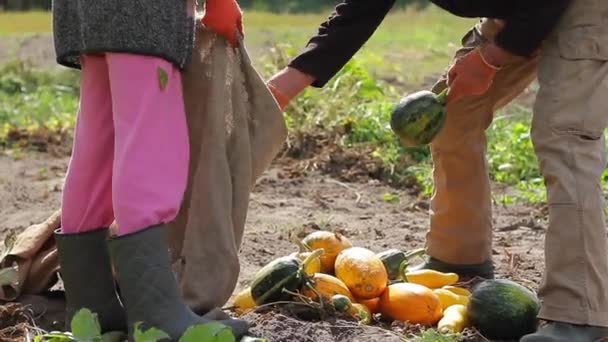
(315, 254)
(443, 96)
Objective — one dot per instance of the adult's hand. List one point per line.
(225, 18)
(287, 84)
(470, 75)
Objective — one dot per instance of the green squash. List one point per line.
(285, 273)
(419, 117)
(503, 310)
(395, 260)
(341, 303)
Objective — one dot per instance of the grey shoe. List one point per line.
(149, 289)
(565, 332)
(465, 272)
(86, 271)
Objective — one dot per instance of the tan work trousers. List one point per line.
(570, 116)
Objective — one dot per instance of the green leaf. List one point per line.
(163, 78)
(150, 335)
(85, 326)
(209, 332)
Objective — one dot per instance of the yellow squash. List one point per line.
(448, 298)
(327, 286)
(331, 243)
(454, 320)
(243, 301)
(412, 303)
(311, 268)
(458, 290)
(372, 304)
(431, 278)
(362, 271)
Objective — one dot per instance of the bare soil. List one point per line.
(314, 184)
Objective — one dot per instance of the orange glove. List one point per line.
(225, 18)
(471, 75)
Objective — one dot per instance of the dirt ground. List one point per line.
(329, 189)
(313, 186)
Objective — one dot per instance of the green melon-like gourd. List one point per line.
(394, 260)
(341, 302)
(419, 117)
(274, 281)
(503, 310)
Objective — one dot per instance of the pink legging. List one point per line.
(131, 149)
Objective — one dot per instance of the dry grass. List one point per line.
(24, 23)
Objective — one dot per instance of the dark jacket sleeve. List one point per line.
(528, 22)
(338, 39)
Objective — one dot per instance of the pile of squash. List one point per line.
(357, 281)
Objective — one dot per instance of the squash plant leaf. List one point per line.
(85, 326)
(209, 332)
(150, 335)
(163, 78)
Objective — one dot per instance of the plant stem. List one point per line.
(443, 96)
(315, 254)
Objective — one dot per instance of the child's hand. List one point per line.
(225, 18)
(287, 84)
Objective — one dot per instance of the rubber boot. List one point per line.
(86, 271)
(565, 332)
(465, 272)
(149, 289)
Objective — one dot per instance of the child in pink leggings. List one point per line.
(130, 156)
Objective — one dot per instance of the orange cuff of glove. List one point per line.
(281, 98)
(484, 61)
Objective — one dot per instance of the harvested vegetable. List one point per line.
(419, 117)
(449, 298)
(313, 267)
(326, 286)
(412, 303)
(503, 309)
(394, 260)
(458, 290)
(361, 313)
(372, 304)
(342, 303)
(362, 271)
(331, 243)
(285, 273)
(454, 320)
(431, 278)
(243, 301)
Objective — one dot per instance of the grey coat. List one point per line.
(161, 28)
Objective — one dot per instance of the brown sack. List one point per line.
(236, 129)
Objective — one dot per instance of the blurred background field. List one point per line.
(407, 53)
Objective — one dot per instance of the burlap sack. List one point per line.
(236, 129)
